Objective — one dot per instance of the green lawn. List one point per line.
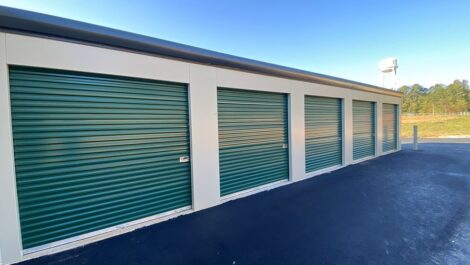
(436, 126)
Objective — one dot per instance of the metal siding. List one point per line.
(323, 133)
(93, 151)
(252, 132)
(390, 127)
(363, 129)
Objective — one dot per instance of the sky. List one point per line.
(430, 38)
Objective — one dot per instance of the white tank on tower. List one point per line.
(388, 72)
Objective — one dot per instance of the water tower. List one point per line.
(388, 72)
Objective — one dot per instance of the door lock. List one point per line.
(184, 159)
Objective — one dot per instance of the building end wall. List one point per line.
(10, 238)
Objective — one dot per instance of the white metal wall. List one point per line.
(203, 82)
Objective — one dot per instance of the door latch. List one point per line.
(184, 159)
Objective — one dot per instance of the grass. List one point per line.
(436, 126)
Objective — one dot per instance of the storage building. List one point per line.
(103, 131)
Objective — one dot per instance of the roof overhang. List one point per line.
(27, 22)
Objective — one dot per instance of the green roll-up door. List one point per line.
(94, 151)
(323, 133)
(390, 127)
(252, 139)
(363, 129)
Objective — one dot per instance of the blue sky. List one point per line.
(430, 38)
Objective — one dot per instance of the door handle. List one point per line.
(184, 159)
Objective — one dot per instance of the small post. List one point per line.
(415, 137)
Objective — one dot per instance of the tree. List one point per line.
(405, 105)
(416, 98)
(457, 97)
(438, 99)
(467, 91)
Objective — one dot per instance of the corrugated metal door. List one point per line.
(323, 133)
(252, 139)
(363, 129)
(94, 151)
(390, 127)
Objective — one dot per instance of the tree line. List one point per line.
(453, 98)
